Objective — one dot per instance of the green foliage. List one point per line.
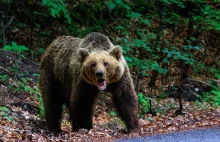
(14, 68)
(141, 41)
(148, 42)
(141, 27)
(144, 104)
(162, 94)
(20, 49)
(208, 17)
(216, 98)
(160, 110)
(58, 7)
(23, 85)
(212, 97)
(5, 113)
(171, 105)
(4, 109)
(41, 50)
(113, 113)
(3, 77)
(202, 105)
(41, 106)
(33, 90)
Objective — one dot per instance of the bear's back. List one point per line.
(64, 45)
(96, 42)
(58, 56)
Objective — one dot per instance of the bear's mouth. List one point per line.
(101, 84)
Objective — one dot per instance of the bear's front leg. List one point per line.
(53, 99)
(82, 102)
(125, 101)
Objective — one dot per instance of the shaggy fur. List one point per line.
(68, 75)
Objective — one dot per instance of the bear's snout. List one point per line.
(99, 74)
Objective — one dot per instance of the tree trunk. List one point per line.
(151, 84)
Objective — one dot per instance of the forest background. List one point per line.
(172, 48)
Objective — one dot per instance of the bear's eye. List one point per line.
(106, 64)
(93, 65)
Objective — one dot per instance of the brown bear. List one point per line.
(73, 71)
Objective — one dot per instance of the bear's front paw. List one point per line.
(133, 130)
(125, 131)
(55, 130)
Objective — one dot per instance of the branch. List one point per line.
(4, 28)
(139, 78)
(199, 82)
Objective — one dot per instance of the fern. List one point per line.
(20, 49)
(57, 7)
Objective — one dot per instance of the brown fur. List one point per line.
(67, 76)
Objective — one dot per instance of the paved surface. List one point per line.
(203, 135)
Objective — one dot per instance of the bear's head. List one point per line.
(101, 68)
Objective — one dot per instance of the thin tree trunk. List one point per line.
(158, 39)
(139, 78)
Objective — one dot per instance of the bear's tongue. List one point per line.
(101, 84)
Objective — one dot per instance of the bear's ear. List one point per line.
(116, 52)
(82, 54)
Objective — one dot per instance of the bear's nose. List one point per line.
(99, 74)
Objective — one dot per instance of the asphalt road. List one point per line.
(202, 135)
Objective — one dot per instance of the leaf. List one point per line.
(166, 1)
(23, 48)
(111, 5)
(44, 2)
(14, 44)
(54, 12)
(35, 74)
(7, 47)
(217, 75)
(120, 27)
(119, 2)
(151, 118)
(7, 117)
(145, 21)
(169, 55)
(128, 59)
(113, 113)
(134, 15)
(4, 109)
